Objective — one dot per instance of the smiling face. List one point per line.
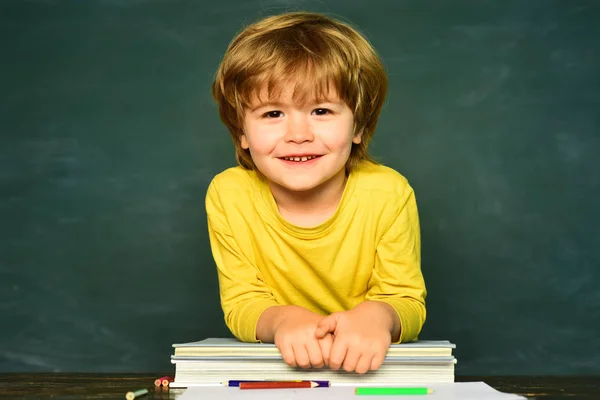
(299, 146)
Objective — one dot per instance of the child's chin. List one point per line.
(300, 188)
(299, 185)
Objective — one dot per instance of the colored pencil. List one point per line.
(236, 383)
(163, 381)
(370, 391)
(137, 393)
(277, 385)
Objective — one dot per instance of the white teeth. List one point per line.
(298, 159)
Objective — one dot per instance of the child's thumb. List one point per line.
(324, 327)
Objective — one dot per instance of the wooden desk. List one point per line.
(114, 386)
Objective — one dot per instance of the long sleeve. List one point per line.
(397, 278)
(244, 295)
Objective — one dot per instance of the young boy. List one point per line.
(317, 247)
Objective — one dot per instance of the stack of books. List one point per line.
(218, 360)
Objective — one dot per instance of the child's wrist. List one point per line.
(378, 310)
(268, 323)
(278, 315)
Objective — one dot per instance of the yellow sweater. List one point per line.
(368, 250)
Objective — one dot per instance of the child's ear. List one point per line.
(357, 137)
(244, 142)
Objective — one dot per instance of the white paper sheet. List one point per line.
(442, 391)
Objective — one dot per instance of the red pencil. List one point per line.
(163, 381)
(278, 385)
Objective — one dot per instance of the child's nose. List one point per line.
(298, 130)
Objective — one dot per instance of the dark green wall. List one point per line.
(109, 138)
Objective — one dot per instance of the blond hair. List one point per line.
(311, 50)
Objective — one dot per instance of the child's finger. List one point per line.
(314, 354)
(351, 360)
(301, 355)
(288, 355)
(327, 325)
(337, 355)
(363, 364)
(326, 343)
(377, 361)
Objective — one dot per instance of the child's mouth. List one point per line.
(299, 159)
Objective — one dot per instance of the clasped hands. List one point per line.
(355, 340)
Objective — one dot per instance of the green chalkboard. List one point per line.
(109, 139)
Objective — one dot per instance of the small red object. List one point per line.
(276, 385)
(163, 381)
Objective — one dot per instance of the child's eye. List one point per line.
(321, 111)
(273, 114)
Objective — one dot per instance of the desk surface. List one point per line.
(114, 386)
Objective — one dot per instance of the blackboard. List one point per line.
(109, 138)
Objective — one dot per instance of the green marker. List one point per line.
(371, 391)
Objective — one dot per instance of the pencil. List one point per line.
(278, 385)
(236, 383)
(369, 391)
(137, 393)
(163, 381)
